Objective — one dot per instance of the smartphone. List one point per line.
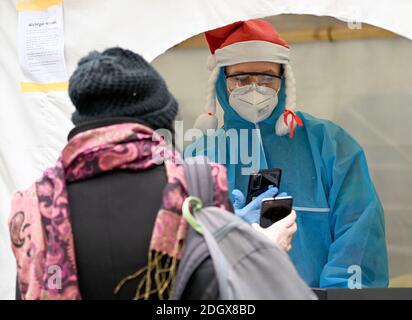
(260, 181)
(274, 209)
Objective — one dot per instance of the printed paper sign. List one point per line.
(41, 48)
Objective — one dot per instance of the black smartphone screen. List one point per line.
(260, 181)
(273, 210)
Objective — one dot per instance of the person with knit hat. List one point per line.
(339, 215)
(105, 222)
(120, 83)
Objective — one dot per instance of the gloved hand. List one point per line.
(251, 212)
(280, 232)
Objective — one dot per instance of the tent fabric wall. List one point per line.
(34, 126)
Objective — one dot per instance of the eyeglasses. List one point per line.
(234, 81)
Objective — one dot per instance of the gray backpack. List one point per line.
(247, 264)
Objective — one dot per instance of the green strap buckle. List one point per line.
(196, 205)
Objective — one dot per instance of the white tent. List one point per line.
(34, 126)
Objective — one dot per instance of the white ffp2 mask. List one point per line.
(254, 103)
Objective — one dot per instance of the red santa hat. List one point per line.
(248, 41)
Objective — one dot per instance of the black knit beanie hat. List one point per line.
(119, 83)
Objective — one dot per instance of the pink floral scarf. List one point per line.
(40, 228)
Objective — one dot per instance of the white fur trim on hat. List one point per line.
(211, 62)
(251, 51)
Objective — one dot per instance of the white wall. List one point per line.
(366, 87)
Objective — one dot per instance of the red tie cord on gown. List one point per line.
(298, 120)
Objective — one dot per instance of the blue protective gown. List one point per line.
(339, 216)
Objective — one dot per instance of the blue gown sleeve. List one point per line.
(356, 219)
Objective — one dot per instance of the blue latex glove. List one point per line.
(251, 212)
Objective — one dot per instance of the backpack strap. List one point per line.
(200, 184)
(198, 175)
(199, 180)
(194, 254)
